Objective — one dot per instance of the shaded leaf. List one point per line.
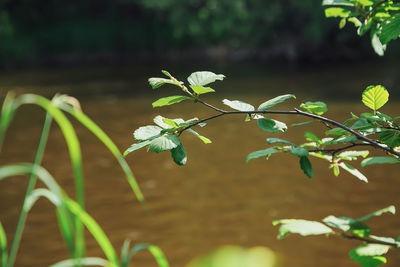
(391, 138)
(375, 97)
(366, 261)
(271, 126)
(301, 227)
(166, 101)
(302, 123)
(278, 140)
(306, 166)
(318, 107)
(379, 160)
(261, 153)
(204, 77)
(312, 137)
(299, 151)
(274, 101)
(179, 155)
(390, 31)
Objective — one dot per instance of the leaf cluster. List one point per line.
(380, 17)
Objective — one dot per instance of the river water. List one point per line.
(216, 199)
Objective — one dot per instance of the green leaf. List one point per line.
(157, 82)
(161, 121)
(366, 261)
(391, 138)
(355, 21)
(336, 170)
(375, 97)
(365, 2)
(306, 166)
(3, 246)
(198, 89)
(301, 227)
(166, 101)
(165, 142)
(238, 105)
(146, 132)
(390, 31)
(271, 126)
(179, 155)
(261, 153)
(204, 77)
(312, 137)
(157, 253)
(299, 151)
(342, 23)
(336, 132)
(137, 146)
(340, 139)
(272, 102)
(318, 107)
(379, 160)
(166, 73)
(202, 138)
(360, 229)
(347, 167)
(278, 140)
(337, 12)
(342, 223)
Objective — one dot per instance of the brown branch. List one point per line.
(368, 240)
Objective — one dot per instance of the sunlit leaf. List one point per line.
(347, 167)
(261, 153)
(165, 142)
(161, 121)
(204, 77)
(146, 132)
(337, 12)
(301, 227)
(155, 251)
(352, 155)
(337, 3)
(391, 209)
(89, 261)
(238, 105)
(318, 107)
(312, 137)
(166, 101)
(157, 82)
(202, 138)
(375, 97)
(378, 47)
(379, 160)
(274, 101)
(3, 246)
(198, 89)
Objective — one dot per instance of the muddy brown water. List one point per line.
(216, 199)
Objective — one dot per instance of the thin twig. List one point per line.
(368, 240)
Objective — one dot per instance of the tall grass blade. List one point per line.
(75, 155)
(154, 250)
(102, 136)
(7, 112)
(3, 246)
(85, 261)
(94, 229)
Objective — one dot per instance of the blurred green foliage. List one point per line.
(31, 30)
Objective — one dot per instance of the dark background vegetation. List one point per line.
(51, 32)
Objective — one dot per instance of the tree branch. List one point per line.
(368, 240)
(292, 112)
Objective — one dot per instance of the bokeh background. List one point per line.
(103, 52)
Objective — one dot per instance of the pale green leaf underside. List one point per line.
(157, 82)
(375, 97)
(347, 167)
(272, 102)
(301, 227)
(165, 142)
(204, 77)
(146, 132)
(238, 105)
